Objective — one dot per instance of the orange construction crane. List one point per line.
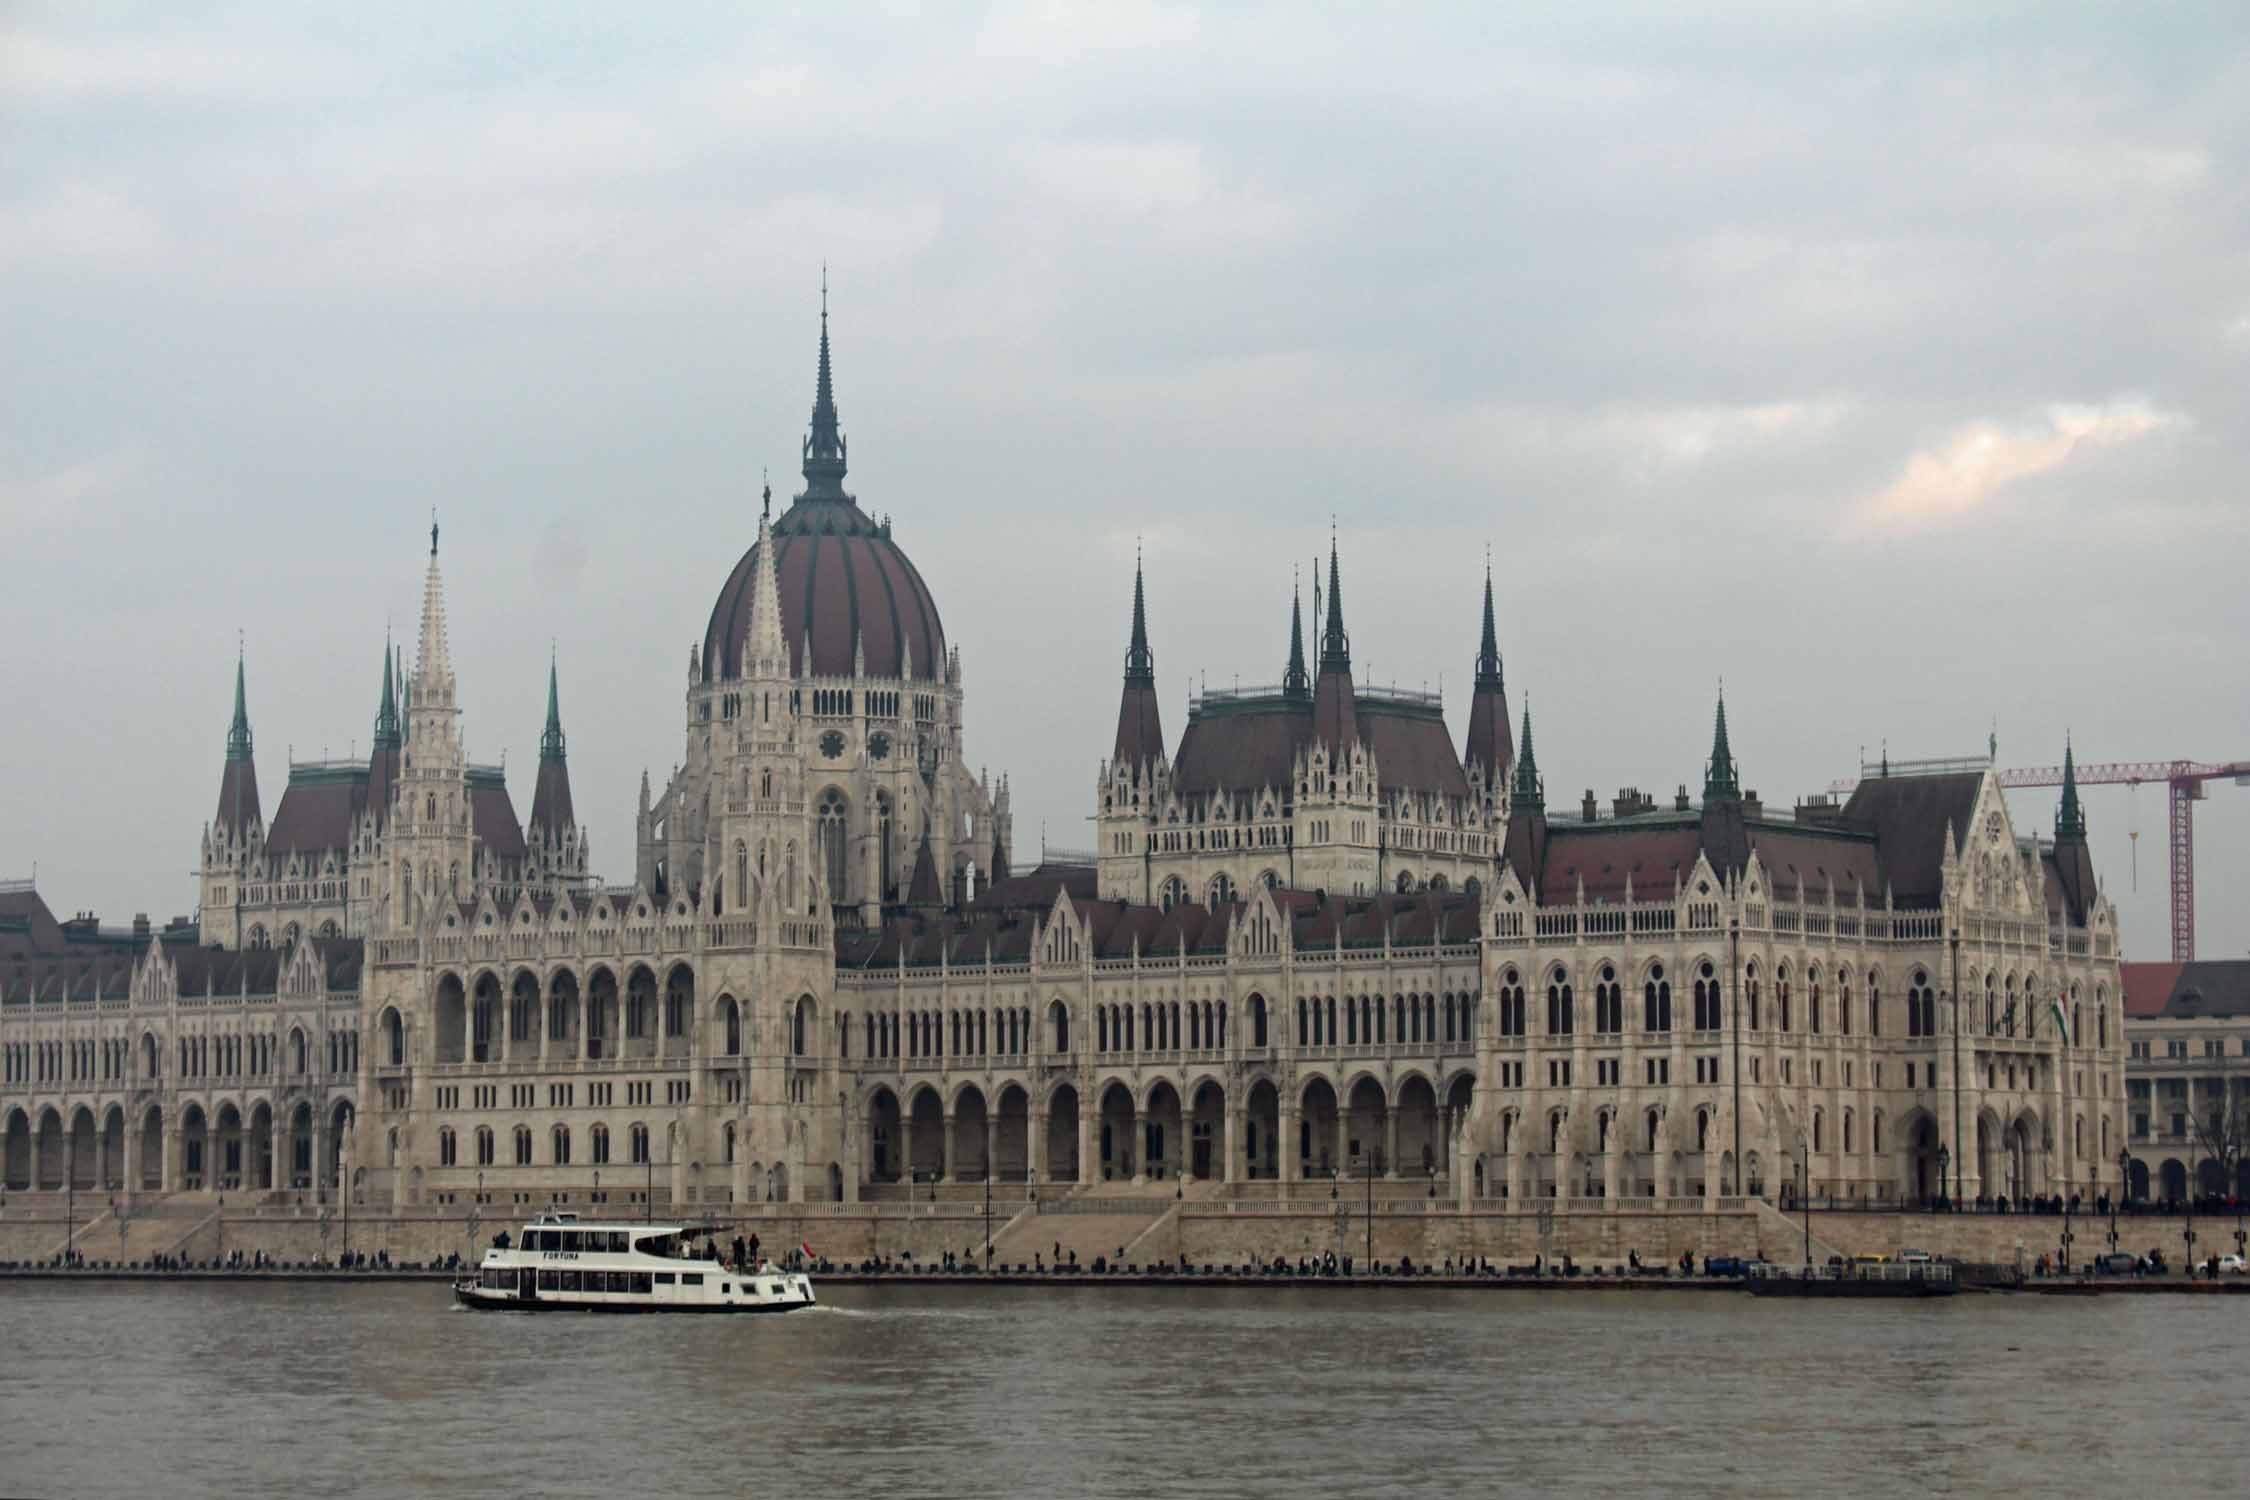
(2185, 779)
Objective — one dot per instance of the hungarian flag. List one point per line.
(808, 1251)
(2062, 1024)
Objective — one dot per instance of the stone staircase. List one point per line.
(1094, 1221)
(1782, 1237)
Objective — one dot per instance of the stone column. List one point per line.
(991, 1147)
(738, 1171)
(1292, 1170)
(1035, 1147)
(945, 1141)
(1390, 1141)
(132, 1166)
(1089, 1169)
(1137, 1145)
(1231, 1170)
(169, 1179)
(1343, 1137)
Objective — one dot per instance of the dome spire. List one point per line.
(824, 445)
(1529, 794)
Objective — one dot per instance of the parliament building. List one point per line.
(1317, 937)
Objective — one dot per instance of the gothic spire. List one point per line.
(2070, 821)
(1488, 744)
(238, 778)
(238, 734)
(1335, 646)
(1488, 650)
(1140, 662)
(551, 742)
(387, 735)
(765, 647)
(1296, 683)
(433, 664)
(1722, 780)
(824, 446)
(1140, 728)
(1529, 793)
(551, 812)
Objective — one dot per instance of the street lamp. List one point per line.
(1804, 1193)
(1943, 1156)
(70, 1198)
(1957, 1063)
(2124, 1176)
(1734, 943)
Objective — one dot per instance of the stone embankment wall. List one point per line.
(1208, 1232)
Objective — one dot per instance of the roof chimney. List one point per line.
(1679, 799)
(1589, 809)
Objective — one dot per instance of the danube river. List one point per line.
(150, 1389)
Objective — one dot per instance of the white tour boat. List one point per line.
(560, 1264)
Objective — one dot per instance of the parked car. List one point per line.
(2231, 1265)
(2118, 1263)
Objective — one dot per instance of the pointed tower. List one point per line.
(825, 448)
(2070, 818)
(1490, 752)
(1726, 837)
(764, 841)
(431, 849)
(1140, 728)
(1296, 682)
(1525, 847)
(1722, 780)
(383, 759)
(234, 839)
(554, 825)
(1335, 705)
(2074, 863)
(238, 783)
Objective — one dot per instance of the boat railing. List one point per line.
(1883, 1271)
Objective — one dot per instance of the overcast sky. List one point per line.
(1889, 362)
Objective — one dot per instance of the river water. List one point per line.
(154, 1390)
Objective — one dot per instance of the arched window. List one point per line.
(523, 1145)
(446, 1147)
(1511, 1004)
(562, 1145)
(1706, 999)
(1172, 893)
(1781, 996)
(1609, 1003)
(598, 1143)
(484, 1146)
(832, 843)
(1559, 1007)
(1656, 1001)
(1750, 993)
(1874, 1004)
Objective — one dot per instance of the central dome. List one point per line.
(846, 588)
(845, 585)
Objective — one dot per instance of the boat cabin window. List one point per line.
(662, 1246)
(691, 1278)
(534, 1239)
(663, 1278)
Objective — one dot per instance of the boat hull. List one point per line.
(483, 1299)
(1798, 1286)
